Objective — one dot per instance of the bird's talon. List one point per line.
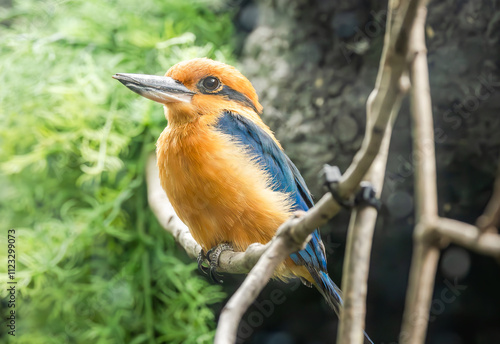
(213, 256)
(210, 252)
(214, 276)
(202, 258)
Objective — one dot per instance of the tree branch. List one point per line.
(468, 236)
(385, 100)
(358, 249)
(432, 231)
(426, 252)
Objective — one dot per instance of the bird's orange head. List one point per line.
(196, 88)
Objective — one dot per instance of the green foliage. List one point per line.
(93, 265)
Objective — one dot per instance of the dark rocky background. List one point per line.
(313, 64)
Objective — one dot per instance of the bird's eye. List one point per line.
(211, 83)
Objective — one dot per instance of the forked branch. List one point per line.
(432, 231)
(385, 100)
(426, 251)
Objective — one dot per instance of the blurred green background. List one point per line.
(93, 265)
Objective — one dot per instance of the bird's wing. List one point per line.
(285, 177)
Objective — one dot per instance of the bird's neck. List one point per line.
(180, 114)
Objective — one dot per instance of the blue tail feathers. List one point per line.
(329, 290)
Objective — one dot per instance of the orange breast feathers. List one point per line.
(217, 189)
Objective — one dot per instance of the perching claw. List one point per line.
(213, 256)
(202, 257)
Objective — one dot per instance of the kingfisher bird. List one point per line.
(224, 171)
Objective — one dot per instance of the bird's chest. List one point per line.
(190, 167)
(218, 190)
(199, 173)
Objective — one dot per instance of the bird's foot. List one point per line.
(202, 262)
(212, 257)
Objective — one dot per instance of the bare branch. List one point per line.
(252, 286)
(469, 236)
(426, 252)
(383, 104)
(423, 145)
(419, 293)
(358, 249)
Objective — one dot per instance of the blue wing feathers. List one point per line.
(286, 177)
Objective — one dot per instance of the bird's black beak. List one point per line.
(161, 89)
